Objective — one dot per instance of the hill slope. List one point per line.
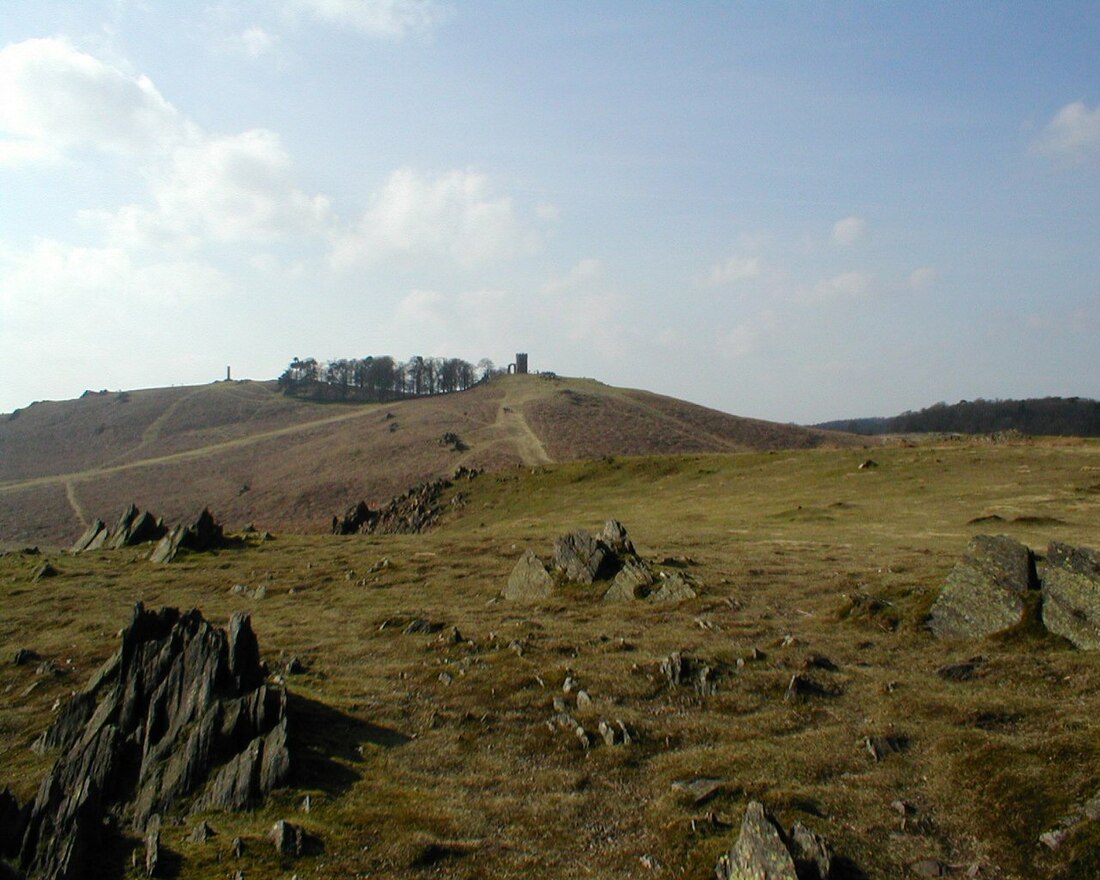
(289, 465)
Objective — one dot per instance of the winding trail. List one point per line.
(514, 428)
(74, 503)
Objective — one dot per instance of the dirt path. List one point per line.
(513, 426)
(186, 455)
(74, 503)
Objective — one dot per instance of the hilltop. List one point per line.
(255, 455)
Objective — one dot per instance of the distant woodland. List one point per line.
(1047, 416)
(373, 379)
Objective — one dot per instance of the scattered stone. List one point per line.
(960, 671)
(583, 700)
(24, 656)
(632, 582)
(178, 696)
(1071, 594)
(152, 845)
(238, 590)
(701, 790)
(420, 626)
(45, 570)
(307, 803)
(764, 852)
(529, 581)
(681, 671)
(260, 592)
(1089, 811)
(879, 747)
(294, 666)
(380, 565)
(929, 868)
(801, 687)
(454, 637)
(819, 661)
(674, 588)
(201, 833)
(984, 593)
(446, 677)
(287, 838)
(869, 464)
(237, 848)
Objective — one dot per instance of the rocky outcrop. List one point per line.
(132, 528)
(584, 559)
(200, 535)
(1071, 594)
(985, 592)
(763, 851)
(413, 512)
(180, 710)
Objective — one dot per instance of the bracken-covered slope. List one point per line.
(253, 455)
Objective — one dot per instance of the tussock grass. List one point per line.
(800, 554)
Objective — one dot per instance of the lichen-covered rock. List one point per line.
(582, 558)
(764, 852)
(674, 588)
(759, 853)
(202, 534)
(632, 582)
(1071, 594)
(529, 580)
(616, 539)
(178, 700)
(95, 534)
(985, 591)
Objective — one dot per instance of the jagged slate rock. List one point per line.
(12, 818)
(121, 532)
(984, 593)
(1071, 594)
(145, 528)
(93, 531)
(674, 588)
(583, 558)
(529, 580)
(632, 582)
(24, 656)
(201, 833)
(287, 838)
(45, 570)
(169, 545)
(813, 858)
(682, 671)
(205, 533)
(616, 539)
(152, 845)
(420, 626)
(156, 720)
(760, 852)
(700, 790)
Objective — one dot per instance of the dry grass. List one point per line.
(413, 777)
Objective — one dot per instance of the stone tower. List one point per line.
(521, 363)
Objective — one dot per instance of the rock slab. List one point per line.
(985, 592)
(1071, 594)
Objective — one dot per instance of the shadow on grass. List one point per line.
(326, 741)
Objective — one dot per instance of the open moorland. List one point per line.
(429, 754)
(253, 455)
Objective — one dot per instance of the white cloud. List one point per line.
(584, 272)
(747, 337)
(733, 270)
(849, 230)
(55, 98)
(391, 19)
(455, 215)
(1073, 135)
(255, 41)
(237, 188)
(923, 278)
(845, 286)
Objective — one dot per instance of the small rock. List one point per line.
(238, 847)
(1054, 839)
(583, 700)
(294, 666)
(869, 464)
(201, 833)
(307, 803)
(446, 677)
(45, 570)
(700, 790)
(24, 656)
(287, 838)
(960, 671)
(238, 590)
(260, 592)
(880, 746)
(420, 626)
(929, 868)
(529, 580)
(800, 687)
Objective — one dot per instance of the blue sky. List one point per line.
(794, 211)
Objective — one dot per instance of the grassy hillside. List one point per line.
(253, 455)
(802, 555)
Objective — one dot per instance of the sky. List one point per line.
(795, 211)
